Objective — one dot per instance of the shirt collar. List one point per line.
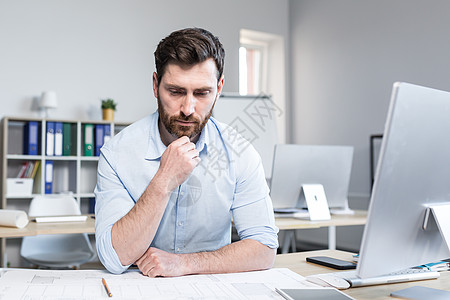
(156, 147)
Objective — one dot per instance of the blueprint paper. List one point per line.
(87, 284)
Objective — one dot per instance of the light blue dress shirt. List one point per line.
(229, 181)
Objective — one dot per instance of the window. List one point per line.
(262, 70)
(251, 69)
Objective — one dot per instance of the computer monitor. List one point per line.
(295, 165)
(413, 172)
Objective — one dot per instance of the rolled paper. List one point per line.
(13, 218)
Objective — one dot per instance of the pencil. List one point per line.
(106, 287)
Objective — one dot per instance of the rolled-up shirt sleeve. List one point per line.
(252, 208)
(112, 202)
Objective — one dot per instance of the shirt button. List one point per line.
(182, 193)
(178, 249)
(180, 223)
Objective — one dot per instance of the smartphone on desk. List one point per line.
(331, 262)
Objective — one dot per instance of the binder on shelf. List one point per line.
(50, 138)
(48, 177)
(88, 140)
(99, 135)
(91, 209)
(67, 139)
(106, 133)
(30, 143)
(58, 139)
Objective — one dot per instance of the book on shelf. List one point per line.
(28, 169)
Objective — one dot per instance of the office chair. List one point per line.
(56, 250)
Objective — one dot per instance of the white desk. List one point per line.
(34, 228)
(297, 263)
(290, 224)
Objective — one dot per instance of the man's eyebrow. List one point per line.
(175, 86)
(206, 88)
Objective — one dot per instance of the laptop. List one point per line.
(354, 280)
(295, 165)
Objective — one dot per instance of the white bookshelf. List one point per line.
(74, 173)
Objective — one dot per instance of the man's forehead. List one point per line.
(203, 71)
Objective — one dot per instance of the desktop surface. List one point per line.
(358, 218)
(297, 263)
(34, 228)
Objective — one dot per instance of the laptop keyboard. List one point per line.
(348, 275)
(398, 276)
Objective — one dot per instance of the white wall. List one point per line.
(87, 50)
(346, 55)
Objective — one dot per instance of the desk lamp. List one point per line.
(48, 100)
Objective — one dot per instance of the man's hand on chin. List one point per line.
(156, 262)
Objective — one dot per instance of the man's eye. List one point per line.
(174, 92)
(203, 93)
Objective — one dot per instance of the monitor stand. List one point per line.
(437, 214)
(342, 210)
(316, 201)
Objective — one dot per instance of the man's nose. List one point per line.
(188, 105)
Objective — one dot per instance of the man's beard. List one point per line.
(177, 130)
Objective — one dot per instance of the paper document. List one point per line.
(51, 284)
(50, 219)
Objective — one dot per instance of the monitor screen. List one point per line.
(295, 165)
(413, 171)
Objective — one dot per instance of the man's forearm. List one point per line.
(134, 232)
(245, 255)
(132, 235)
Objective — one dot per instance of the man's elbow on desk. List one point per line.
(250, 255)
(267, 257)
(110, 260)
(106, 253)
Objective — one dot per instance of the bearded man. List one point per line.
(168, 185)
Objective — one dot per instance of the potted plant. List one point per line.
(108, 108)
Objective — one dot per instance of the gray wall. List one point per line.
(345, 56)
(87, 50)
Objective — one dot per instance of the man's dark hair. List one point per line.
(189, 46)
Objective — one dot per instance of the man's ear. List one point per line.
(155, 85)
(220, 85)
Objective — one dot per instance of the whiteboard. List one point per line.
(255, 118)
